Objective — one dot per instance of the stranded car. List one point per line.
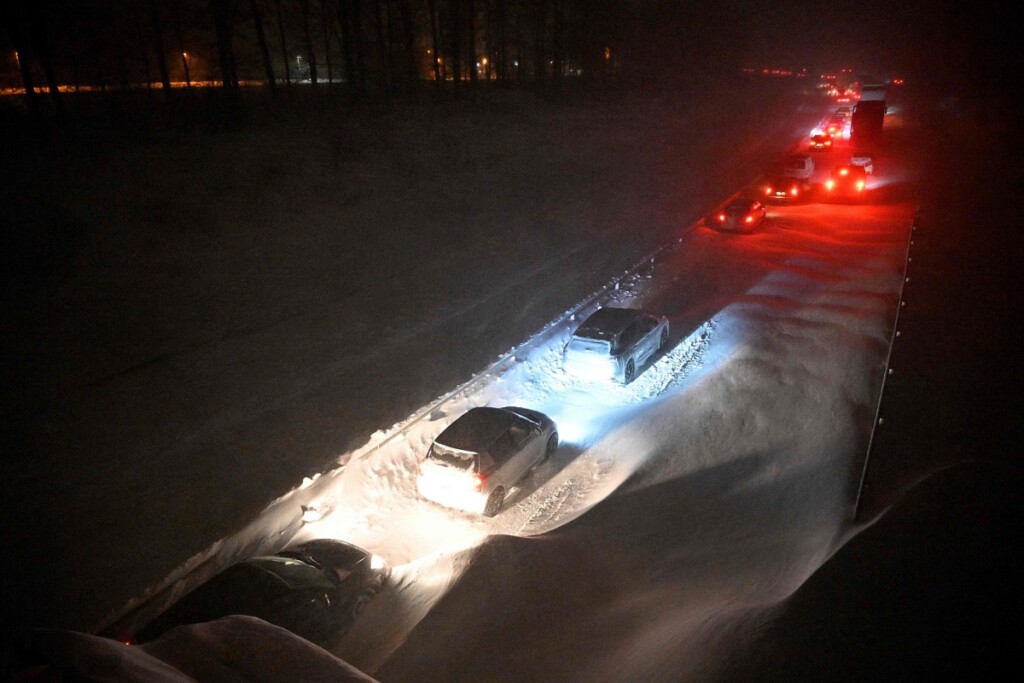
(614, 343)
(739, 215)
(316, 590)
(474, 462)
(863, 159)
(821, 142)
(846, 181)
(785, 189)
(799, 166)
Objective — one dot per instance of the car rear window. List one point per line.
(463, 460)
(590, 345)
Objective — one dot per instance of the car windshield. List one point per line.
(295, 574)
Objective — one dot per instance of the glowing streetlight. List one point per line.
(185, 61)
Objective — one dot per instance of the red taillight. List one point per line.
(721, 217)
(768, 191)
(749, 219)
(794, 191)
(829, 184)
(860, 185)
(478, 482)
(843, 171)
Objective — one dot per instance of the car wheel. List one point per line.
(552, 445)
(664, 339)
(627, 376)
(494, 502)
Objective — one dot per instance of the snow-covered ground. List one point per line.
(184, 397)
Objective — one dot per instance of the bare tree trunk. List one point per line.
(23, 55)
(558, 48)
(350, 16)
(345, 22)
(382, 47)
(434, 42)
(539, 26)
(222, 24)
(455, 40)
(181, 46)
(308, 34)
(501, 20)
(284, 46)
(325, 19)
(41, 48)
(261, 38)
(158, 43)
(471, 40)
(409, 42)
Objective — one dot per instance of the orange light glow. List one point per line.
(749, 219)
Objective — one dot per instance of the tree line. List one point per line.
(369, 48)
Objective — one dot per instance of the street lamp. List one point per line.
(184, 64)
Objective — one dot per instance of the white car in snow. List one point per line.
(477, 459)
(614, 343)
(863, 159)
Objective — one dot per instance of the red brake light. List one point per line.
(829, 184)
(768, 190)
(794, 191)
(844, 171)
(749, 219)
(721, 216)
(478, 482)
(860, 185)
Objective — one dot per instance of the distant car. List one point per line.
(863, 159)
(740, 215)
(821, 141)
(316, 590)
(834, 128)
(474, 462)
(785, 189)
(846, 181)
(614, 343)
(799, 166)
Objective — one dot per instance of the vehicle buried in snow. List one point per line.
(614, 343)
(315, 589)
(479, 457)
